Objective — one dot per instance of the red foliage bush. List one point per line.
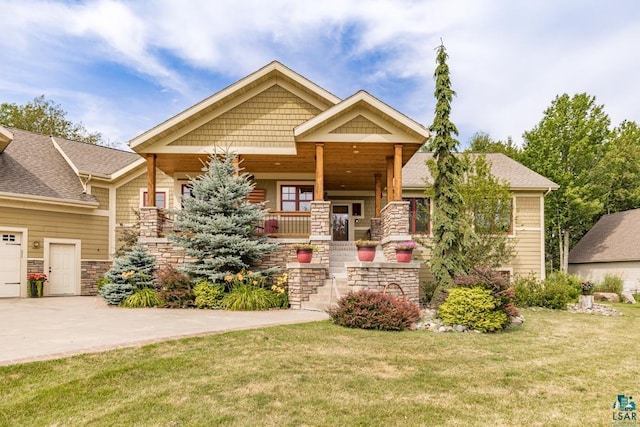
(176, 290)
(373, 310)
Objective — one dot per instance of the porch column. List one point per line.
(397, 172)
(378, 180)
(151, 180)
(319, 186)
(236, 165)
(390, 179)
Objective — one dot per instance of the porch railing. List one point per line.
(286, 224)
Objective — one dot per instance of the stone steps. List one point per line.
(326, 295)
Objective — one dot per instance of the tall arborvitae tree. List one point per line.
(450, 229)
(218, 222)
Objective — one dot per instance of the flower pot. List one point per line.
(404, 255)
(304, 255)
(585, 301)
(366, 253)
(34, 289)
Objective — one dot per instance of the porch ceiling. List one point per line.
(347, 166)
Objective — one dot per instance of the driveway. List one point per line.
(49, 328)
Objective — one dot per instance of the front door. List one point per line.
(340, 222)
(10, 247)
(62, 269)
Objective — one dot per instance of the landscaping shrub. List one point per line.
(249, 297)
(611, 283)
(528, 292)
(115, 293)
(498, 285)
(473, 307)
(373, 310)
(146, 297)
(554, 292)
(176, 290)
(208, 295)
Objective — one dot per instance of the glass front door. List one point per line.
(340, 222)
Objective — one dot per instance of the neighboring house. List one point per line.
(58, 210)
(527, 219)
(610, 247)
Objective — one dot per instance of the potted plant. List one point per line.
(36, 284)
(304, 252)
(585, 300)
(404, 251)
(366, 249)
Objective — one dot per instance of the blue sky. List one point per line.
(124, 67)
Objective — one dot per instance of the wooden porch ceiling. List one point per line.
(347, 166)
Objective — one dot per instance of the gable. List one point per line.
(266, 121)
(360, 125)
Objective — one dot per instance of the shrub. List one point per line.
(115, 293)
(175, 289)
(611, 283)
(208, 295)
(554, 292)
(498, 285)
(528, 292)
(373, 310)
(146, 297)
(248, 297)
(473, 307)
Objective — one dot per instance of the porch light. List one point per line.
(348, 171)
(277, 163)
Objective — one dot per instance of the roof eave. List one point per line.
(49, 200)
(6, 137)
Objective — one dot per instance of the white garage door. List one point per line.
(10, 264)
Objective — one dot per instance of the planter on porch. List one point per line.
(35, 285)
(366, 250)
(404, 251)
(304, 252)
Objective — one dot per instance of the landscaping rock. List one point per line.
(460, 328)
(606, 296)
(628, 297)
(602, 310)
(517, 321)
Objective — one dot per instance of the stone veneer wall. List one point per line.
(304, 280)
(375, 276)
(395, 227)
(151, 219)
(90, 272)
(283, 255)
(321, 230)
(35, 266)
(376, 229)
(166, 253)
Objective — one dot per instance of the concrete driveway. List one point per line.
(49, 328)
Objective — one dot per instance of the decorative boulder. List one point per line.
(606, 296)
(628, 297)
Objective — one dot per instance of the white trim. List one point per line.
(51, 200)
(24, 251)
(211, 149)
(543, 255)
(77, 243)
(112, 221)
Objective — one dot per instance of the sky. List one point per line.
(123, 67)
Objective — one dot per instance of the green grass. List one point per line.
(558, 369)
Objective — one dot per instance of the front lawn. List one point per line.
(558, 369)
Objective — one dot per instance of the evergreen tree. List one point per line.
(450, 228)
(130, 273)
(219, 223)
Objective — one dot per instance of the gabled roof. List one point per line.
(359, 102)
(415, 174)
(43, 168)
(613, 238)
(273, 73)
(95, 160)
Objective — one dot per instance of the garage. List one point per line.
(10, 252)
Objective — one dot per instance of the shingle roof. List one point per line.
(415, 174)
(31, 165)
(613, 238)
(95, 159)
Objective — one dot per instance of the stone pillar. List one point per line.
(376, 229)
(321, 230)
(304, 280)
(395, 278)
(151, 219)
(395, 227)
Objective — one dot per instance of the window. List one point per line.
(296, 197)
(490, 217)
(418, 215)
(186, 191)
(161, 199)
